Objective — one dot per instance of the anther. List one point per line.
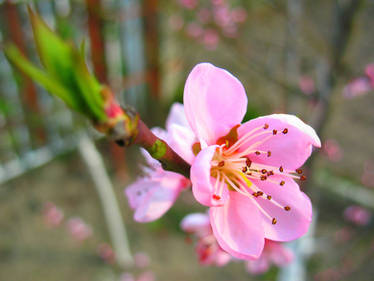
(216, 197)
(287, 208)
(268, 197)
(285, 131)
(275, 132)
(244, 169)
(221, 164)
(263, 178)
(282, 183)
(270, 173)
(266, 126)
(274, 221)
(258, 152)
(299, 171)
(248, 162)
(269, 153)
(260, 193)
(255, 194)
(281, 169)
(263, 171)
(303, 178)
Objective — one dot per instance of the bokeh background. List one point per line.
(304, 57)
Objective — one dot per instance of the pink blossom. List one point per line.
(273, 253)
(343, 235)
(367, 177)
(244, 173)
(188, 4)
(105, 252)
(332, 150)
(222, 16)
(369, 71)
(141, 260)
(307, 85)
(78, 229)
(176, 22)
(210, 39)
(53, 216)
(126, 276)
(357, 215)
(194, 30)
(239, 14)
(203, 15)
(357, 87)
(152, 195)
(146, 276)
(207, 249)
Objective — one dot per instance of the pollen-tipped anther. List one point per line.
(266, 126)
(299, 171)
(216, 197)
(221, 164)
(281, 169)
(275, 132)
(287, 208)
(274, 221)
(282, 183)
(269, 153)
(285, 131)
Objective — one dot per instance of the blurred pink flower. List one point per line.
(217, 2)
(53, 216)
(194, 30)
(141, 260)
(274, 254)
(153, 195)
(146, 276)
(230, 31)
(332, 150)
(188, 4)
(176, 22)
(204, 15)
(222, 16)
(244, 173)
(105, 252)
(367, 177)
(357, 87)
(78, 229)
(307, 85)
(210, 39)
(369, 71)
(207, 249)
(357, 215)
(343, 235)
(126, 276)
(239, 14)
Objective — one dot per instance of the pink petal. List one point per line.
(202, 183)
(153, 197)
(181, 140)
(214, 102)
(176, 116)
(238, 228)
(196, 223)
(289, 150)
(290, 224)
(279, 254)
(259, 266)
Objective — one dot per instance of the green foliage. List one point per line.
(65, 73)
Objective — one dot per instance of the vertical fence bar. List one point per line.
(150, 23)
(97, 40)
(28, 89)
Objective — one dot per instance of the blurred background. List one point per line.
(309, 58)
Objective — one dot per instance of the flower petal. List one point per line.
(176, 116)
(290, 149)
(196, 223)
(214, 102)
(181, 140)
(259, 266)
(238, 228)
(202, 183)
(152, 197)
(290, 224)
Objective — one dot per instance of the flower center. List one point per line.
(232, 166)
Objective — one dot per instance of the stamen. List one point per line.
(275, 132)
(274, 221)
(266, 126)
(282, 183)
(248, 162)
(216, 197)
(244, 170)
(287, 208)
(269, 153)
(281, 169)
(299, 171)
(257, 152)
(221, 164)
(263, 178)
(263, 171)
(303, 178)
(268, 197)
(285, 131)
